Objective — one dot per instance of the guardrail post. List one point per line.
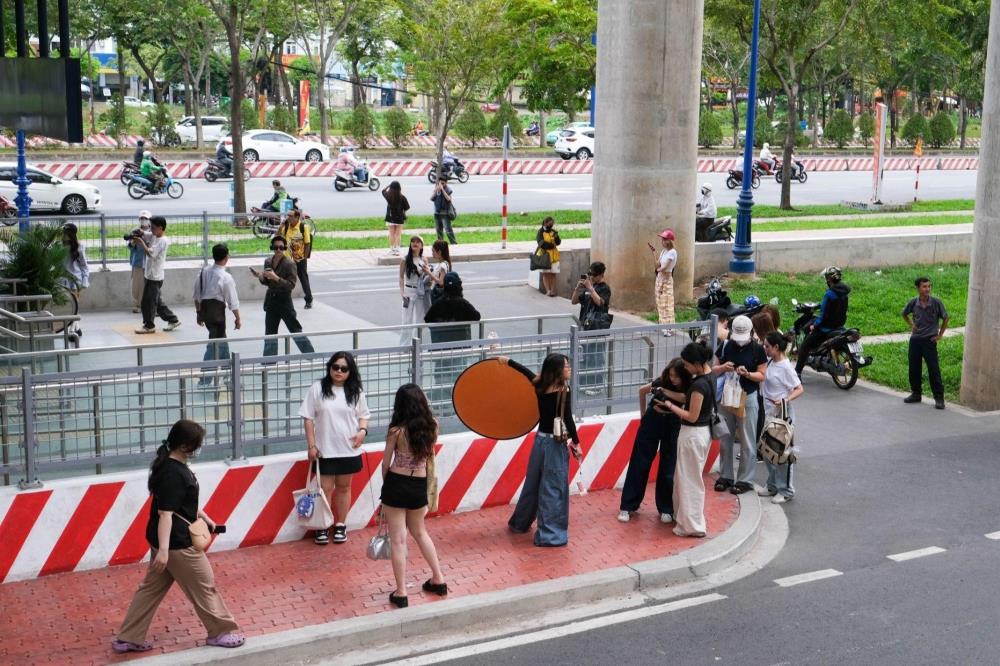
(104, 245)
(236, 411)
(713, 332)
(611, 372)
(574, 363)
(204, 237)
(30, 479)
(96, 414)
(415, 370)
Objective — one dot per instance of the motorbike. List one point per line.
(129, 169)
(720, 230)
(216, 170)
(841, 354)
(140, 187)
(798, 172)
(456, 171)
(343, 180)
(717, 297)
(264, 222)
(735, 178)
(532, 130)
(8, 211)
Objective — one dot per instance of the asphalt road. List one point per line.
(527, 193)
(877, 479)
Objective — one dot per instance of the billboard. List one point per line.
(42, 96)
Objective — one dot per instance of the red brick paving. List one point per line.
(71, 618)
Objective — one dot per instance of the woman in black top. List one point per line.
(395, 214)
(546, 485)
(174, 506)
(658, 429)
(693, 441)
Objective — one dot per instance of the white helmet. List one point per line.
(146, 153)
(706, 188)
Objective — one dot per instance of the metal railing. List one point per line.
(59, 423)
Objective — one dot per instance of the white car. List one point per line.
(49, 192)
(577, 142)
(270, 145)
(135, 101)
(213, 128)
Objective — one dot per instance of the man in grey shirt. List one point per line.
(926, 312)
(214, 293)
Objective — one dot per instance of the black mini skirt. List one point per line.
(404, 492)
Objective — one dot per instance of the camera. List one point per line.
(660, 395)
(135, 233)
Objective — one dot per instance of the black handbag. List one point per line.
(540, 260)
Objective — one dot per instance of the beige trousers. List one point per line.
(138, 282)
(665, 299)
(193, 574)
(689, 486)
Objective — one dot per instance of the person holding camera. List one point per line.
(593, 295)
(137, 257)
(279, 277)
(153, 271)
(173, 508)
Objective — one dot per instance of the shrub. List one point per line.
(505, 115)
(37, 256)
(283, 119)
(250, 116)
(160, 126)
(114, 118)
(866, 127)
(361, 125)
(915, 128)
(840, 129)
(471, 124)
(709, 130)
(762, 132)
(941, 130)
(397, 125)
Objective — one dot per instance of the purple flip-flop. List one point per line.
(229, 639)
(122, 647)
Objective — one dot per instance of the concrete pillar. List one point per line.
(981, 366)
(645, 173)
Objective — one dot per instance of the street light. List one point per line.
(742, 261)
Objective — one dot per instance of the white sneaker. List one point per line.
(666, 518)
(764, 492)
(780, 499)
(172, 326)
(668, 333)
(143, 329)
(624, 516)
(136, 310)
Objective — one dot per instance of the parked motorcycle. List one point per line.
(720, 230)
(345, 180)
(264, 222)
(216, 170)
(129, 169)
(717, 297)
(140, 187)
(456, 171)
(841, 354)
(735, 179)
(8, 211)
(798, 172)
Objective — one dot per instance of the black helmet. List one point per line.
(140, 143)
(832, 273)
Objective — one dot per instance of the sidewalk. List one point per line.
(71, 618)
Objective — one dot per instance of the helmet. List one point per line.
(751, 302)
(706, 188)
(147, 154)
(832, 273)
(140, 143)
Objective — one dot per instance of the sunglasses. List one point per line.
(339, 368)
(280, 248)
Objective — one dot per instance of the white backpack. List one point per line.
(777, 438)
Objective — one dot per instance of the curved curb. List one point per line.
(343, 635)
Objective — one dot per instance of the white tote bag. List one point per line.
(311, 505)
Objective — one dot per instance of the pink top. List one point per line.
(405, 459)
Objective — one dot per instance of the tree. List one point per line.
(361, 125)
(915, 128)
(866, 127)
(397, 126)
(725, 57)
(366, 46)
(709, 130)
(324, 21)
(840, 129)
(193, 36)
(762, 130)
(471, 125)
(452, 49)
(160, 126)
(941, 131)
(505, 115)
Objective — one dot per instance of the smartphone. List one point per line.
(651, 246)
(254, 271)
(583, 276)
(219, 529)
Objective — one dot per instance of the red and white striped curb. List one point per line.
(531, 167)
(197, 169)
(958, 163)
(64, 170)
(273, 169)
(314, 169)
(578, 166)
(93, 522)
(99, 171)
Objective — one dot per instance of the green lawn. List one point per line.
(766, 211)
(532, 220)
(862, 223)
(877, 297)
(890, 366)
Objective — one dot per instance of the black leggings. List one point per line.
(656, 432)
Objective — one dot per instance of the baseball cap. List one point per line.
(667, 234)
(452, 280)
(145, 214)
(740, 329)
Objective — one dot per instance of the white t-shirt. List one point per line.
(156, 259)
(779, 381)
(668, 259)
(336, 422)
(439, 269)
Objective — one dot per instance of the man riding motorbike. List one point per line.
(140, 148)
(832, 315)
(532, 129)
(151, 171)
(447, 162)
(224, 157)
(274, 203)
(349, 167)
(766, 156)
(705, 212)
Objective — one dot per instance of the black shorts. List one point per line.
(337, 466)
(404, 492)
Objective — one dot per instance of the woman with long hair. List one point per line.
(693, 441)
(409, 443)
(76, 268)
(781, 384)
(174, 493)
(413, 288)
(546, 485)
(658, 430)
(666, 261)
(395, 214)
(335, 419)
(442, 266)
(548, 240)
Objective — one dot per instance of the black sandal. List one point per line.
(399, 602)
(440, 589)
(722, 485)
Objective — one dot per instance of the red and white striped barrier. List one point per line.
(860, 164)
(273, 169)
(6, 142)
(198, 169)
(485, 167)
(532, 167)
(951, 163)
(706, 165)
(100, 141)
(407, 168)
(98, 170)
(313, 169)
(725, 165)
(98, 521)
(578, 166)
(64, 170)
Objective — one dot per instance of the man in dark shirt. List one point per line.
(926, 311)
(832, 315)
(279, 276)
(452, 307)
(593, 295)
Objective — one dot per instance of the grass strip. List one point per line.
(768, 211)
(891, 366)
(862, 223)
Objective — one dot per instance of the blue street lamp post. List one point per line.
(593, 89)
(22, 199)
(742, 261)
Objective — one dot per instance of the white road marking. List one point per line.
(993, 535)
(809, 577)
(913, 554)
(352, 292)
(559, 632)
